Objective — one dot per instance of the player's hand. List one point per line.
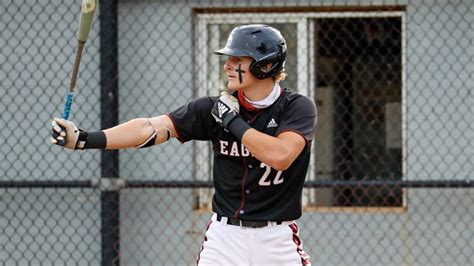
(64, 133)
(225, 109)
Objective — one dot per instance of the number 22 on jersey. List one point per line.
(266, 179)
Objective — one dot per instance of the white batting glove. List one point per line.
(225, 109)
(64, 133)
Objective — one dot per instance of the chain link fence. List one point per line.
(391, 178)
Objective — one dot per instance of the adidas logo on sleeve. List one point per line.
(272, 123)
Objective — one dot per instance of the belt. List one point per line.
(245, 223)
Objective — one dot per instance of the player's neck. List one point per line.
(260, 91)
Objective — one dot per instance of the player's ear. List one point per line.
(267, 68)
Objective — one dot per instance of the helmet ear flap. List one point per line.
(257, 68)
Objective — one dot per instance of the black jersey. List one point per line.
(245, 187)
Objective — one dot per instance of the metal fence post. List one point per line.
(110, 199)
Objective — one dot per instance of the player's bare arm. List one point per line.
(139, 132)
(278, 152)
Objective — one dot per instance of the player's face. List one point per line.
(238, 73)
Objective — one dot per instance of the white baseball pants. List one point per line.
(273, 244)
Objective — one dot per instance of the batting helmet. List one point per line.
(261, 42)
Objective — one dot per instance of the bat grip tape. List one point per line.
(67, 105)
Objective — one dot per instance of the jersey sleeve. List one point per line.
(194, 121)
(300, 116)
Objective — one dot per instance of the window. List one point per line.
(359, 93)
(351, 64)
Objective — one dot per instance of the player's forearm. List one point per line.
(129, 134)
(273, 151)
(140, 132)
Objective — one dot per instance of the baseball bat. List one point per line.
(88, 11)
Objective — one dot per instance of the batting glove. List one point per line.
(225, 109)
(65, 133)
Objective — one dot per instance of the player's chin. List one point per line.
(232, 87)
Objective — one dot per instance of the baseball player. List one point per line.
(261, 136)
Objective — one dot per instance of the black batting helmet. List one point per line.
(261, 42)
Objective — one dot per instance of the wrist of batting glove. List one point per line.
(238, 127)
(228, 118)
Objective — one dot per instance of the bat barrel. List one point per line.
(88, 10)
